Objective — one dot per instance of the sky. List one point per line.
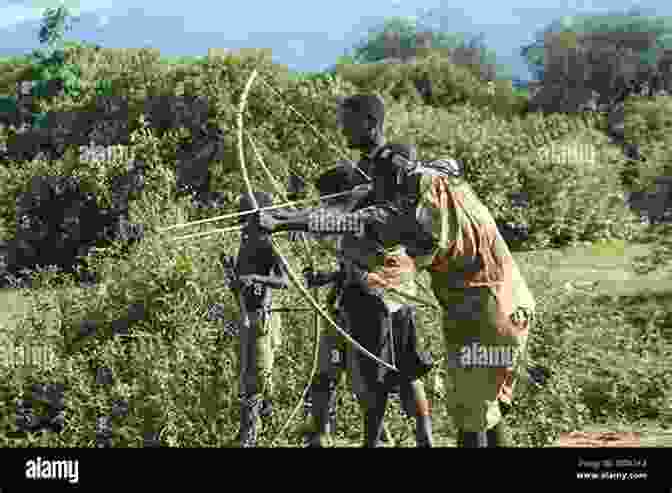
(302, 36)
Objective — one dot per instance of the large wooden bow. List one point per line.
(320, 312)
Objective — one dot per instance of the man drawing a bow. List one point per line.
(432, 212)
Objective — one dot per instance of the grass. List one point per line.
(16, 312)
(603, 269)
(559, 278)
(598, 280)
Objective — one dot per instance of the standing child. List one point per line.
(257, 271)
(372, 315)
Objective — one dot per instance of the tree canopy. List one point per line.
(637, 29)
(406, 37)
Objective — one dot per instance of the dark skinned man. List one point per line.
(356, 293)
(434, 212)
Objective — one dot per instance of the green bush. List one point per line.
(7, 104)
(575, 195)
(492, 147)
(659, 236)
(104, 88)
(647, 118)
(174, 367)
(570, 200)
(606, 355)
(451, 85)
(95, 178)
(177, 373)
(12, 70)
(488, 144)
(648, 124)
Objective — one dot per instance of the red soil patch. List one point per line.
(584, 439)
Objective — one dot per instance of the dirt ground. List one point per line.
(586, 439)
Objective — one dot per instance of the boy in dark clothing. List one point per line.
(432, 211)
(333, 357)
(257, 271)
(383, 325)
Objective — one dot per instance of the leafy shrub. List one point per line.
(501, 159)
(103, 88)
(7, 104)
(175, 367)
(58, 221)
(660, 237)
(648, 121)
(575, 196)
(605, 355)
(54, 67)
(451, 85)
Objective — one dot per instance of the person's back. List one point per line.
(449, 232)
(469, 249)
(433, 212)
(484, 297)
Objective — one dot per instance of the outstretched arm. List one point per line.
(284, 220)
(277, 279)
(318, 221)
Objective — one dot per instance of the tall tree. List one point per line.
(630, 28)
(404, 37)
(54, 24)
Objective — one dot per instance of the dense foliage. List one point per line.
(140, 359)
